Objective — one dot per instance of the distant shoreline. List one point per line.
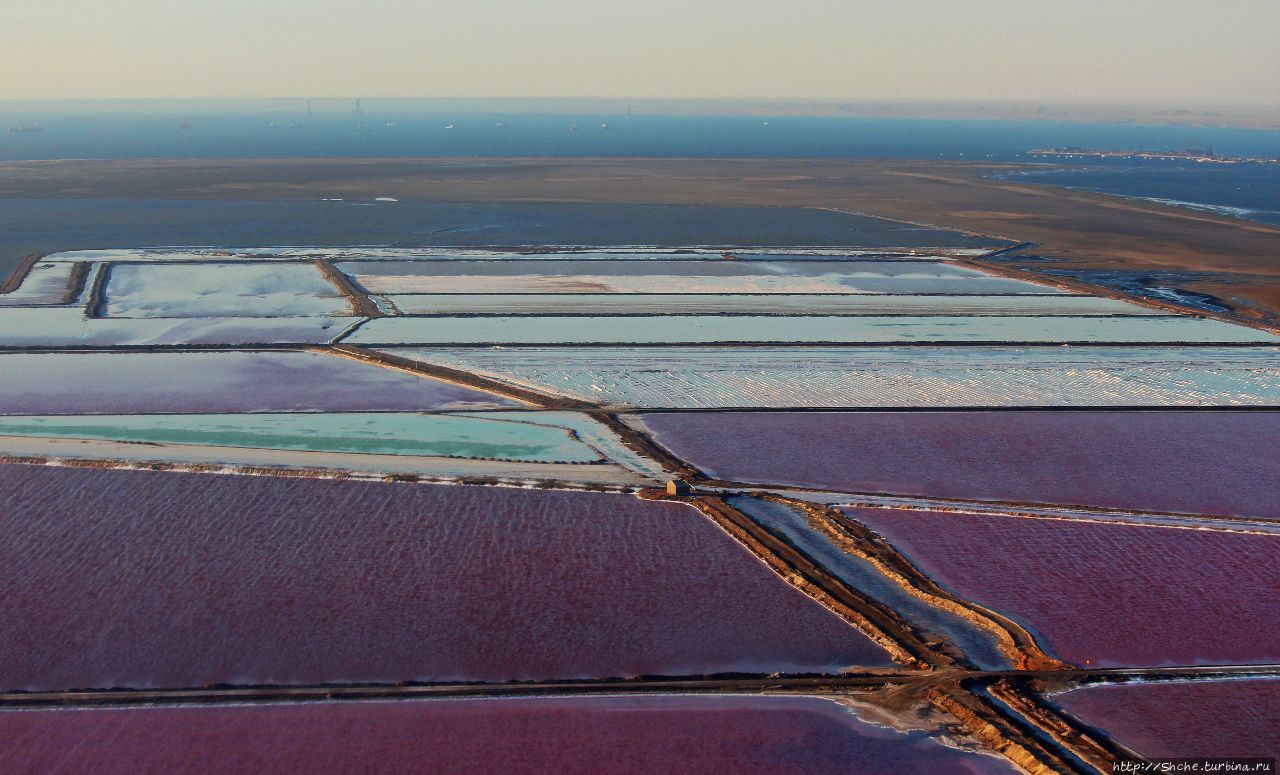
(1225, 257)
(1198, 156)
(1224, 116)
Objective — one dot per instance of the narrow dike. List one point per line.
(1021, 699)
(879, 623)
(456, 376)
(1013, 723)
(93, 307)
(1015, 642)
(988, 723)
(80, 271)
(361, 304)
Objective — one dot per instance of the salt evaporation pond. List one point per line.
(218, 382)
(47, 282)
(119, 578)
(850, 377)
(686, 276)
(753, 303)
(549, 252)
(1202, 462)
(49, 327)
(383, 433)
(977, 644)
(659, 735)
(589, 431)
(713, 329)
(1178, 719)
(216, 290)
(32, 225)
(1105, 595)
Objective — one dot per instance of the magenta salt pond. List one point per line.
(1184, 718)
(1206, 462)
(148, 579)
(1105, 595)
(241, 381)
(602, 736)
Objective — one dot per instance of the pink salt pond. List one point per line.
(1203, 462)
(1184, 718)
(661, 735)
(1105, 595)
(146, 579)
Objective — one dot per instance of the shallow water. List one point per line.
(786, 377)
(653, 735)
(691, 276)
(221, 290)
(162, 579)
(1184, 718)
(706, 329)
(759, 304)
(30, 225)
(383, 433)
(1146, 461)
(1105, 595)
(1247, 191)
(977, 644)
(69, 327)
(216, 382)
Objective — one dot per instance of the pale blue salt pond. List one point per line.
(372, 433)
(694, 329)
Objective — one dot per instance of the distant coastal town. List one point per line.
(1204, 156)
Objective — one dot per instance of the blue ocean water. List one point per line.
(1250, 191)
(294, 134)
(1240, 190)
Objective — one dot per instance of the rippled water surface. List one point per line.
(1153, 461)
(1105, 595)
(145, 579)
(607, 735)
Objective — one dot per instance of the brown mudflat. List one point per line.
(1084, 230)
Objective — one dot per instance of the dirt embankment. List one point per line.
(80, 272)
(20, 272)
(360, 302)
(1097, 751)
(98, 292)
(456, 376)
(642, 445)
(985, 722)
(1016, 643)
(879, 623)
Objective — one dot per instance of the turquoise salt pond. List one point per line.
(370, 433)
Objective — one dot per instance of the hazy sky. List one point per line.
(1150, 50)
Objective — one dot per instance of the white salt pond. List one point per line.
(539, 275)
(41, 327)
(695, 329)
(759, 304)
(47, 282)
(253, 290)
(798, 377)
